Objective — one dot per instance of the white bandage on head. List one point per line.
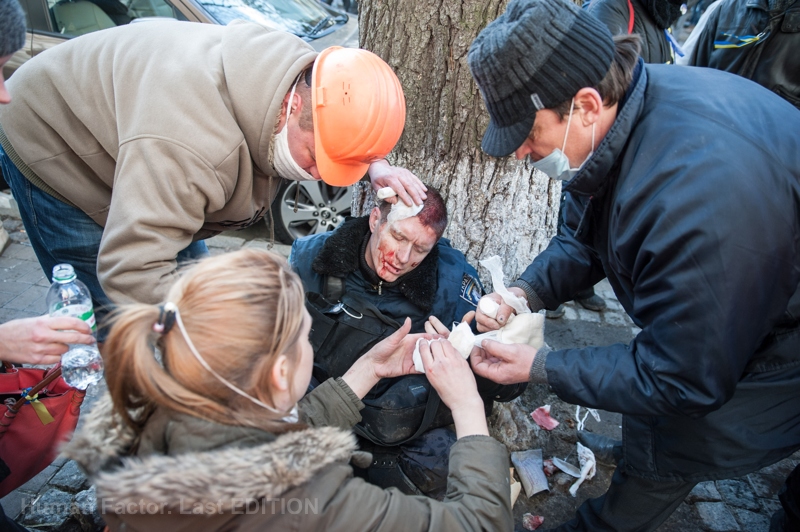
(400, 211)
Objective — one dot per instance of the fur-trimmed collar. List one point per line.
(224, 476)
(339, 257)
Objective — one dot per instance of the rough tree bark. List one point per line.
(496, 206)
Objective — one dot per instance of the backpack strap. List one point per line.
(630, 16)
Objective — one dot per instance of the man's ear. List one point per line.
(374, 219)
(588, 105)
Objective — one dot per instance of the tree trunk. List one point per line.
(496, 206)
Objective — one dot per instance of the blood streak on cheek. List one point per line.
(386, 257)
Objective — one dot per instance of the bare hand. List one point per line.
(449, 373)
(391, 357)
(407, 186)
(485, 323)
(503, 363)
(41, 340)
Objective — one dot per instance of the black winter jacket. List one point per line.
(616, 16)
(756, 39)
(691, 207)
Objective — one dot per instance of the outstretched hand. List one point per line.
(407, 186)
(391, 357)
(503, 363)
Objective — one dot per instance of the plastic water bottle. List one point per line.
(82, 365)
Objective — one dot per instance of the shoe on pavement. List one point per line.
(554, 314)
(601, 446)
(595, 303)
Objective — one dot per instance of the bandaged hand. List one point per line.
(493, 312)
(435, 326)
(408, 187)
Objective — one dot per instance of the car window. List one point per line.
(78, 17)
(305, 18)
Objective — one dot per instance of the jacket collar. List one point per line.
(340, 256)
(224, 476)
(592, 177)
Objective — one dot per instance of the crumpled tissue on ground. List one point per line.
(588, 467)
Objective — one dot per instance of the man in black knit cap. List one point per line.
(685, 197)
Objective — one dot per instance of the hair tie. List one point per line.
(166, 318)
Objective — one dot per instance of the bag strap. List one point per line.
(54, 374)
(630, 17)
(431, 408)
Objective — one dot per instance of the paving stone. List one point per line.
(12, 286)
(225, 242)
(69, 478)
(635, 330)
(613, 304)
(738, 493)
(766, 484)
(15, 503)
(85, 510)
(51, 509)
(588, 315)
(751, 521)
(769, 506)
(20, 251)
(716, 517)
(8, 314)
(570, 313)
(27, 300)
(704, 492)
(616, 318)
(37, 482)
(281, 249)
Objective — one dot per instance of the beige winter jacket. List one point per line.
(195, 475)
(160, 131)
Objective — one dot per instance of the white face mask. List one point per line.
(556, 165)
(284, 163)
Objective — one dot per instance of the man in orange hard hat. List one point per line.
(125, 148)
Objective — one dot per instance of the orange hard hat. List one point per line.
(359, 112)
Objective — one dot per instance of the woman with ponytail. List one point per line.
(205, 426)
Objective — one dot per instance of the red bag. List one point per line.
(32, 428)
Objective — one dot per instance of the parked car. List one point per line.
(51, 22)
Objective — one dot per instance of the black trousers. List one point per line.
(630, 504)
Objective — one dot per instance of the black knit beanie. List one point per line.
(536, 55)
(12, 27)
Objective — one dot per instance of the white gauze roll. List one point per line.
(495, 267)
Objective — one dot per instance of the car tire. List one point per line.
(320, 208)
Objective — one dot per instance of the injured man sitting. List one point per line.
(362, 282)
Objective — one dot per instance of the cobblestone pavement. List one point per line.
(59, 498)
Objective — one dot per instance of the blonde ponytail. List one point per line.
(241, 311)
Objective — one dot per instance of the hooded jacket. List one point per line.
(161, 132)
(190, 474)
(690, 207)
(756, 39)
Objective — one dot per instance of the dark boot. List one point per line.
(606, 450)
(591, 301)
(555, 314)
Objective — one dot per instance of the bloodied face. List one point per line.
(394, 249)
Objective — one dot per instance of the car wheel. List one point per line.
(320, 208)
